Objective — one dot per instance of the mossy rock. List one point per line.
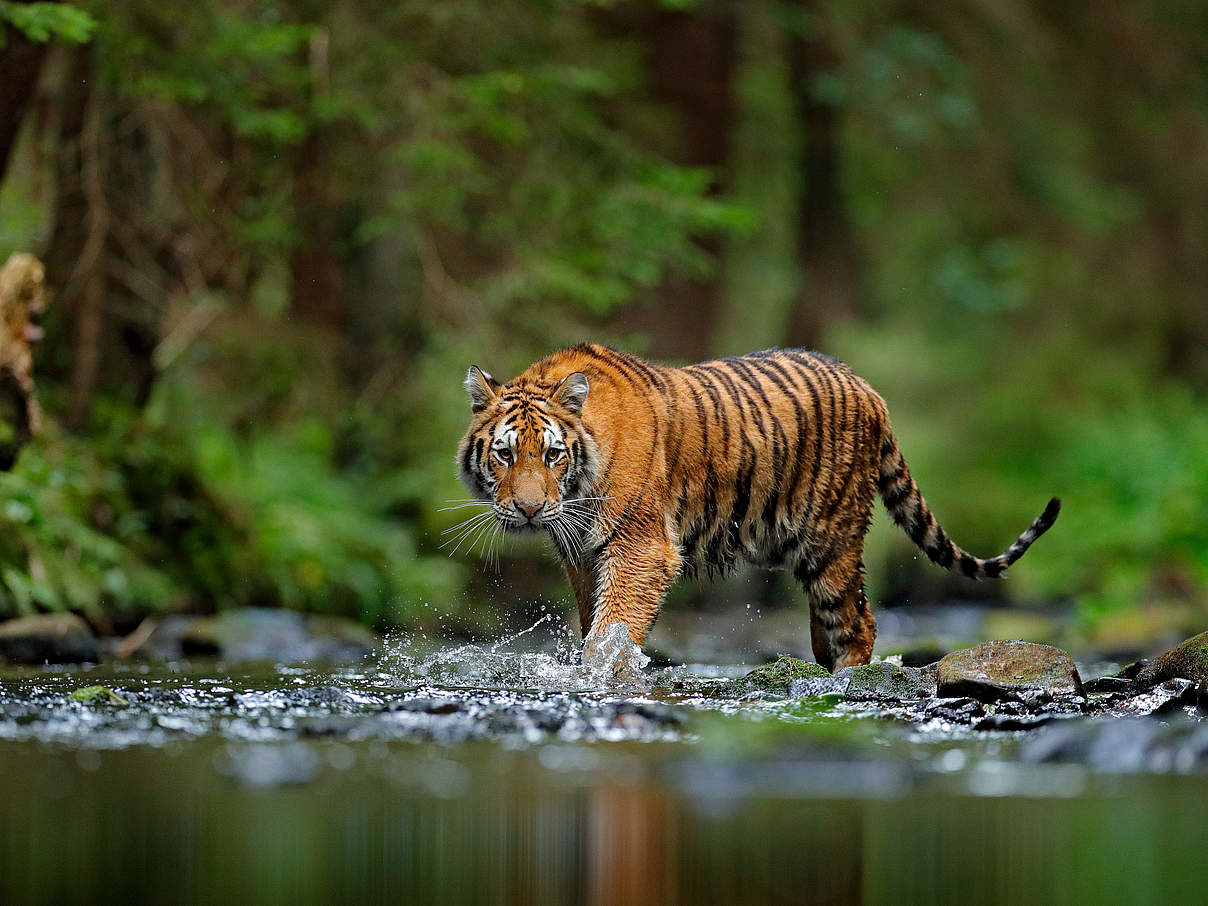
(98, 695)
(883, 681)
(998, 669)
(1187, 660)
(775, 677)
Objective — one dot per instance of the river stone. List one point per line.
(997, 669)
(264, 634)
(883, 681)
(1187, 660)
(48, 638)
(775, 677)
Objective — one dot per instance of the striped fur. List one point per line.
(641, 472)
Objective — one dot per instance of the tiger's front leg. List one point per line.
(632, 573)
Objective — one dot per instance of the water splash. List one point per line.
(614, 662)
(615, 657)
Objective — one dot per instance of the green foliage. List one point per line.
(43, 21)
(491, 180)
(64, 527)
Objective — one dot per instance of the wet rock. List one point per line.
(1122, 745)
(995, 670)
(815, 686)
(263, 634)
(1164, 698)
(1130, 671)
(1187, 660)
(1108, 684)
(1000, 721)
(776, 677)
(662, 715)
(428, 706)
(98, 695)
(883, 681)
(327, 727)
(48, 638)
(954, 710)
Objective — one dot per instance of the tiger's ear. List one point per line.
(481, 387)
(572, 392)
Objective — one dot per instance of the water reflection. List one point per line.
(483, 824)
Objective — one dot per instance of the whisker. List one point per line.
(463, 504)
(475, 532)
(472, 520)
(469, 527)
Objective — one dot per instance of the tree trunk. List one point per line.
(316, 290)
(692, 63)
(20, 65)
(827, 252)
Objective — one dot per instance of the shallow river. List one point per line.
(487, 774)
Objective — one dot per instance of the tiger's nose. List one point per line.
(529, 511)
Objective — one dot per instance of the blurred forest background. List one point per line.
(277, 232)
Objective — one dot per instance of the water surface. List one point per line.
(495, 774)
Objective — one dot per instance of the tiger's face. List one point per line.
(527, 452)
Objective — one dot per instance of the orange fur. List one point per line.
(641, 472)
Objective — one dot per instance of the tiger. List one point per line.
(641, 472)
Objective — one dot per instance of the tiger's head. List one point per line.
(527, 452)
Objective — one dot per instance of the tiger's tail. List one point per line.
(910, 511)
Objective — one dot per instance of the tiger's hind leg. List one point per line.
(842, 627)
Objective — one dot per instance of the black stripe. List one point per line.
(780, 442)
(467, 459)
(779, 456)
(947, 550)
(816, 467)
(843, 438)
(627, 365)
(795, 393)
(742, 495)
(707, 385)
(969, 565)
(678, 431)
(893, 498)
(920, 521)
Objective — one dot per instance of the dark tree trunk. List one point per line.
(693, 60)
(827, 252)
(316, 285)
(20, 66)
(75, 261)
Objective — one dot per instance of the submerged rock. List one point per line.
(883, 681)
(1165, 698)
(1122, 745)
(777, 676)
(1187, 660)
(998, 669)
(954, 710)
(48, 638)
